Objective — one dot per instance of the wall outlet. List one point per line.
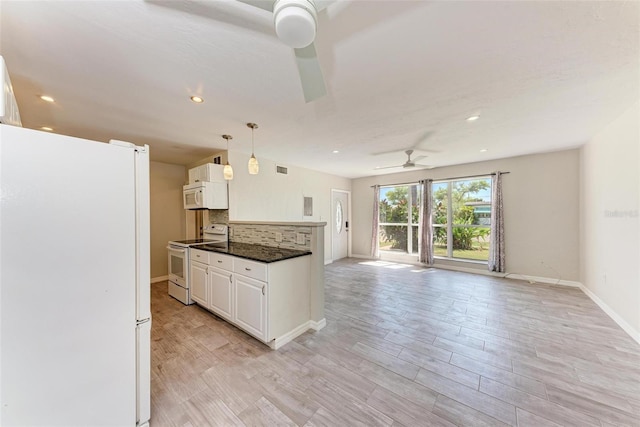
(300, 239)
(278, 237)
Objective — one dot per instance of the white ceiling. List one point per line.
(542, 75)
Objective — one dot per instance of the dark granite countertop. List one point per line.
(253, 252)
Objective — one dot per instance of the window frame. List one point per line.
(409, 224)
(450, 213)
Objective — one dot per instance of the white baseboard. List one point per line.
(296, 332)
(612, 314)
(316, 326)
(159, 279)
(290, 336)
(482, 271)
(540, 279)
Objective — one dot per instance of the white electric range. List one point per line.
(179, 259)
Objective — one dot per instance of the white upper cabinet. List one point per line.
(209, 172)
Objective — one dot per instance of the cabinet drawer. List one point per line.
(198, 255)
(255, 270)
(224, 262)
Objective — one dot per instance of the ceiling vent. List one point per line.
(282, 170)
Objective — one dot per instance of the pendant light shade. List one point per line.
(253, 165)
(228, 170)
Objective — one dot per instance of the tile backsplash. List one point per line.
(270, 235)
(218, 216)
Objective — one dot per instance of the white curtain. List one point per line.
(426, 223)
(496, 246)
(375, 242)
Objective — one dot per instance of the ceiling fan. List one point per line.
(409, 163)
(295, 23)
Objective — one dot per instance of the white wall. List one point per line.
(541, 200)
(273, 197)
(167, 213)
(610, 234)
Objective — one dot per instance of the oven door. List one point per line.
(178, 265)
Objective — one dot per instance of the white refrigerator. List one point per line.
(75, 319)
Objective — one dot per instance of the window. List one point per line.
(462, 219)
(399, 219)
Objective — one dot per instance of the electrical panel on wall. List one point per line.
(308, 206)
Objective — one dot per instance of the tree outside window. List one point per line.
(462, 218)
(399, 218)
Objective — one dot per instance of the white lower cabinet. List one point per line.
(250, 304)
(221, 292)
(199, 286)
(268, 301)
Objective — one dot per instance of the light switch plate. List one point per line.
(300, 239)
(278, 237)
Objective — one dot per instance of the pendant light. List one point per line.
(253, 165)
(228, 170)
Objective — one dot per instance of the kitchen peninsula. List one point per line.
(274, 293)
(253, 252)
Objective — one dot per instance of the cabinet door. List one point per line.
(251, 306)
(220, 292)
(198, 281)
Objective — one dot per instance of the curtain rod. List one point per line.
(444, 179)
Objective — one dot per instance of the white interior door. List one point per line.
(339, 224)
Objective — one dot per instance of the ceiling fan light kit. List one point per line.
(253, 165)
(227, 172)
(295, 22)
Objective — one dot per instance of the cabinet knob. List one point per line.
(247, 268)
(262, 289)
(219, 262)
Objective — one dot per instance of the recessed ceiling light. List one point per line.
(197, 99)
(47, 128)
(335, 151)
(472, 118)
(47, 98)
(484, 150)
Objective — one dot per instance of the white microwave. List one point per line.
(205, 195)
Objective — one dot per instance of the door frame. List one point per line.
(348, 193)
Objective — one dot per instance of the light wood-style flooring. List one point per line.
(403, 346)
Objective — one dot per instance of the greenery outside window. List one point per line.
(399, 219)
(462, 218)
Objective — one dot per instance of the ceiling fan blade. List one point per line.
(380, 153)
(227, 12)
(425, 166)
(310, 73)
(388, 167)
(417, 159)
(262, 4)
